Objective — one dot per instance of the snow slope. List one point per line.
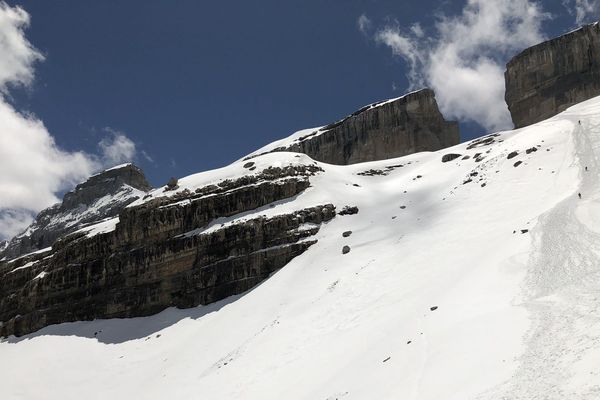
(509, 255)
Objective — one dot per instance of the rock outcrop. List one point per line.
(102, 196)
(389, 129)
(546, 79)
(182, 250)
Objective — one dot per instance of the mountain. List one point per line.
(388, 129)
(546, 79)
(474, 278)
(470, 272)
(161, 251)
(102, 196)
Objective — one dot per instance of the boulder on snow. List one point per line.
(347, 233)
(349, 210)
(449, 157)
(531, 150)
(345, 249)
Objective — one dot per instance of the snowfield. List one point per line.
(469, 279)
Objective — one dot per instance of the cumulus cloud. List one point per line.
(116, 148)
(464, 59)
(17, 55)
(583, 10)
(33, 168)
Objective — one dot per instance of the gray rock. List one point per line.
(80, 207)
(349, 210)
(450, 157)
(410, 124)
(546, 79)
(347, 233)
(345, 249)
(147, 263)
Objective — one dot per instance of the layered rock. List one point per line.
(102, 196)
(546, 79)
(168, 251)
(394, 128)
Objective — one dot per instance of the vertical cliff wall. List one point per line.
(389, 129)
(550, 77)
(161, 253)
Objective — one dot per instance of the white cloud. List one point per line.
(33, 169)
(116, 148)
(17, 55)
(364, 24)
(417, 30)
(464, 60)
(13, 222)
(147, 156)
(583, 10)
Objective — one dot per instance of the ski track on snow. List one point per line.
(562, 292)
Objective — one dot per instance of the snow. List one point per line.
(41, 275)
(118, 167)
(40, 251)
(518, 314)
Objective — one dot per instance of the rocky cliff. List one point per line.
(552, 76)
(181, 249)
(102, 196)
(393, 128)
(120, 250)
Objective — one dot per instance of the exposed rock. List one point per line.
(512, 154)
(389, 129)
(450, 157)
(433, 308)
(347, 233)
(345, 249)
(161, 254)
(249, 164)
(349, 210)
(546, 79)
(172, 184)
(482, 141)
(102, 196)
(517, 163)
(531, 150)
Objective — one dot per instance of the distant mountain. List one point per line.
(102, 196)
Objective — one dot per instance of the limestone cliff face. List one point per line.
(102, 196)
(390, 129)
(163, 253)
(192, 246)
(546, 79)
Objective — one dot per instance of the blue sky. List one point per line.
(194, 85)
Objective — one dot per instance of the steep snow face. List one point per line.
(476, 278)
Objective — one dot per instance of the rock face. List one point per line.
(390, 129)
(165, 252)
(102, 196)
(545, 79)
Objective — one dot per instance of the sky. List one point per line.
(182, 87)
